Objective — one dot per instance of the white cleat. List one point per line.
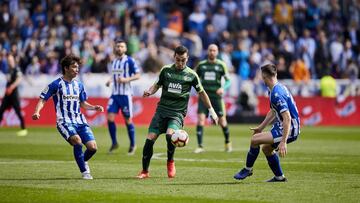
(228, 147)
(86, 176)
(199, 150)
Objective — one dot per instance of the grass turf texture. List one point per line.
(323, 165)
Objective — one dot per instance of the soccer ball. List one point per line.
(179, 138)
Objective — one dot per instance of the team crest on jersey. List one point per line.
(216, 68)
(187, 78)
(169, 75)
(175, 88)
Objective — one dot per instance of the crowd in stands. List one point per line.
(307, 39)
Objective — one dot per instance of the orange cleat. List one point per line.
(143, 175)
(171, 169)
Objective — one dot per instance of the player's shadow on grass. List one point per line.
(214, 183)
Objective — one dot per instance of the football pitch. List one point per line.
(323, 165)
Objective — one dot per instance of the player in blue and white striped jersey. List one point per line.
(285, 129)
(69, 95)
(123, 70)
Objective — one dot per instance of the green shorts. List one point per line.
(163, 120)
(218, 105)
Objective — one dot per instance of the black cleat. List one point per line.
(113, 147)
(275, 179)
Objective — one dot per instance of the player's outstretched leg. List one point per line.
(79, 158)
(147, 154)
(199, 136)
(250, 160)
(274, 164)
(91, 149)
(131, 133)
(112, 132)
(171, 170)
(228, 146)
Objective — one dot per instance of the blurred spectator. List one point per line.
(328, 86)
(299, 71)
(220, 20)
(34, 67)
(283, 14)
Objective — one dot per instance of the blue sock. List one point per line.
(79, 157)
(112, 131)
(274, 164)
(131, 133)
(252, 156)
(88, 154)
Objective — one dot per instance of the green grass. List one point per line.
(323, 165)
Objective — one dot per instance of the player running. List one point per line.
(69, 95)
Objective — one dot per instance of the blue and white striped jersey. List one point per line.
(67, 97)
(123, 67)
(281, 100)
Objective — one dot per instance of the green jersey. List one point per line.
(211, 74)
(176, 86)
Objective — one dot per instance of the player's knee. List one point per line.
(255, 141)
(151, 136)
(92, 147)
(75, 140)
(222, 121)
(111, 117)
(267, 150)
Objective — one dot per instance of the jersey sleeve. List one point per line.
(133, 67)
(279, 102)
(197, 84)
(82, 95)
(160, 80)
(49, 91)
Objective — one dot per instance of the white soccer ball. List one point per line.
(179, 138)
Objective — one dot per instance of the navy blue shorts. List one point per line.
(277, 131)
(69, 129)
(123, 102)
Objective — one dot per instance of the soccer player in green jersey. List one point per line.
(211, 71)
(176, 81)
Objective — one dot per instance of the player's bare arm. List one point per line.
(129, 79)
(108, 82)
(286, 129)
(88, 106)
(152, 90)
(39, 106)
(268, 119)
(205, 98)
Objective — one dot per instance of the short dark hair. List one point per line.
(180, 50)
(69, 60)
(119, 40)
(269, 69)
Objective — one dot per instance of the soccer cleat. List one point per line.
(171, 170)
(276, 179)
(228, 147)
(132, 150)
(87, 167)
(199, 150)
(143, 174)
(243, 174)
(86, 175)
(22, 133)
(113, 147)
